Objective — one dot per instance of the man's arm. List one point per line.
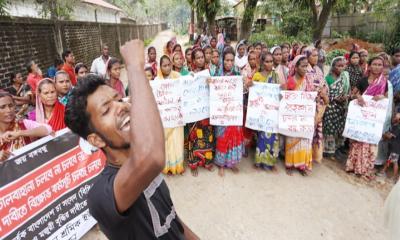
(147, 154)
(189, 234)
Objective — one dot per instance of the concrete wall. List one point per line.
(365, 22)
(44, 40)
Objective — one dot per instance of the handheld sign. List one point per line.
(297, 114)
(365, 124)
(195, 97)
(263, 107)
(226, 101)
(168, 97)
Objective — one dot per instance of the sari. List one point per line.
(118, 86)
(248, 133)
(298, 151)
(394, 78)
(174, 140)
(355, 74)
(267, 148)
(316, 82)
(56, 120)
(362, 155)
(335, 114)
(229, 139)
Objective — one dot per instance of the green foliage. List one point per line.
(3, 7)
(299, 22)
(335, 53)
(57, 9)
(147, 41)
(272, 36)
(393, 37)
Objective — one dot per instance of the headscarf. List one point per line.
(241, 62)
(291, 82)
(344, 76)
(330, 80)
(377, 87)
(272, 50)
(56, 120)
(308, 51)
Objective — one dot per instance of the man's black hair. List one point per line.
(65, 54)
(57, 62)
(76, 117)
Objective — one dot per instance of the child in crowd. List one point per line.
(393, 136)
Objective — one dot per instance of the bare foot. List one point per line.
(221, 172)
(210, 167)
(274, 170)
(235, 170)
(303, 173)
(289, 171)
(194, 172)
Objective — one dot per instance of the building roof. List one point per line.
(102, 3)
(237, 4)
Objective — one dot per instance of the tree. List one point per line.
(248, 16)
(3, 7)
(57, 9)
(210, 9)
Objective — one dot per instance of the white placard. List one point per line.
(226, 101)
(263, 107)
(168, 97)
(365, 124)
(195, 97)
(297, 114)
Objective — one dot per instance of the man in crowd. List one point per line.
(99, 66)
(63, 86)
(69, 65)
(130, 199)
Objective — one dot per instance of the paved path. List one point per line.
(256, 205)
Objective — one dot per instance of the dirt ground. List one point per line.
(255, 205)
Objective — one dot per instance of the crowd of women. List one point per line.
(35, 108)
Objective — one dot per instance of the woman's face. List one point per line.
(376, 66)
(229, 61)
(355, 59)
(189, 56)
(152, 55)
(313, 58)
(252, 60)
(18, 78)
(251, 48)
(268, 63)
(48, 94)
(166, 67)
(208, 55)
(178, 49)
(115, 71)
(178, 62)
(285, 55)
(82, 72)
(258, 49)
(199, 59)
(339, 67)
(363, 57)
(7, 109)
(241, 51)
(215, 58)
(277, 56)
(170, 46)
(213, 43)
(301, 69)
(149, 75)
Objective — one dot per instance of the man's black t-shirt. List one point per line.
(152, 216)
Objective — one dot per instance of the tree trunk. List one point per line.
(200, 22)
(247, 20)
(211, 26)
(320, 20)
(191, 36)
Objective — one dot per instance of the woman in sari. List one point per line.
(200, 135)
(230, 144)
(113, 75)
(174, 142)
(362, 155)
(267, 149)
(14, 133)
(315, 78)
(248, 72)
(241, 58)
(354, 69)
(169, 48)
(177, 49)
(207, 55)
(214, 62)
(298, 151)
(281, 70)
(188, 58)
(364, 61)
(177, 64)
(48, 109)
(335, 114)
(152, 58)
